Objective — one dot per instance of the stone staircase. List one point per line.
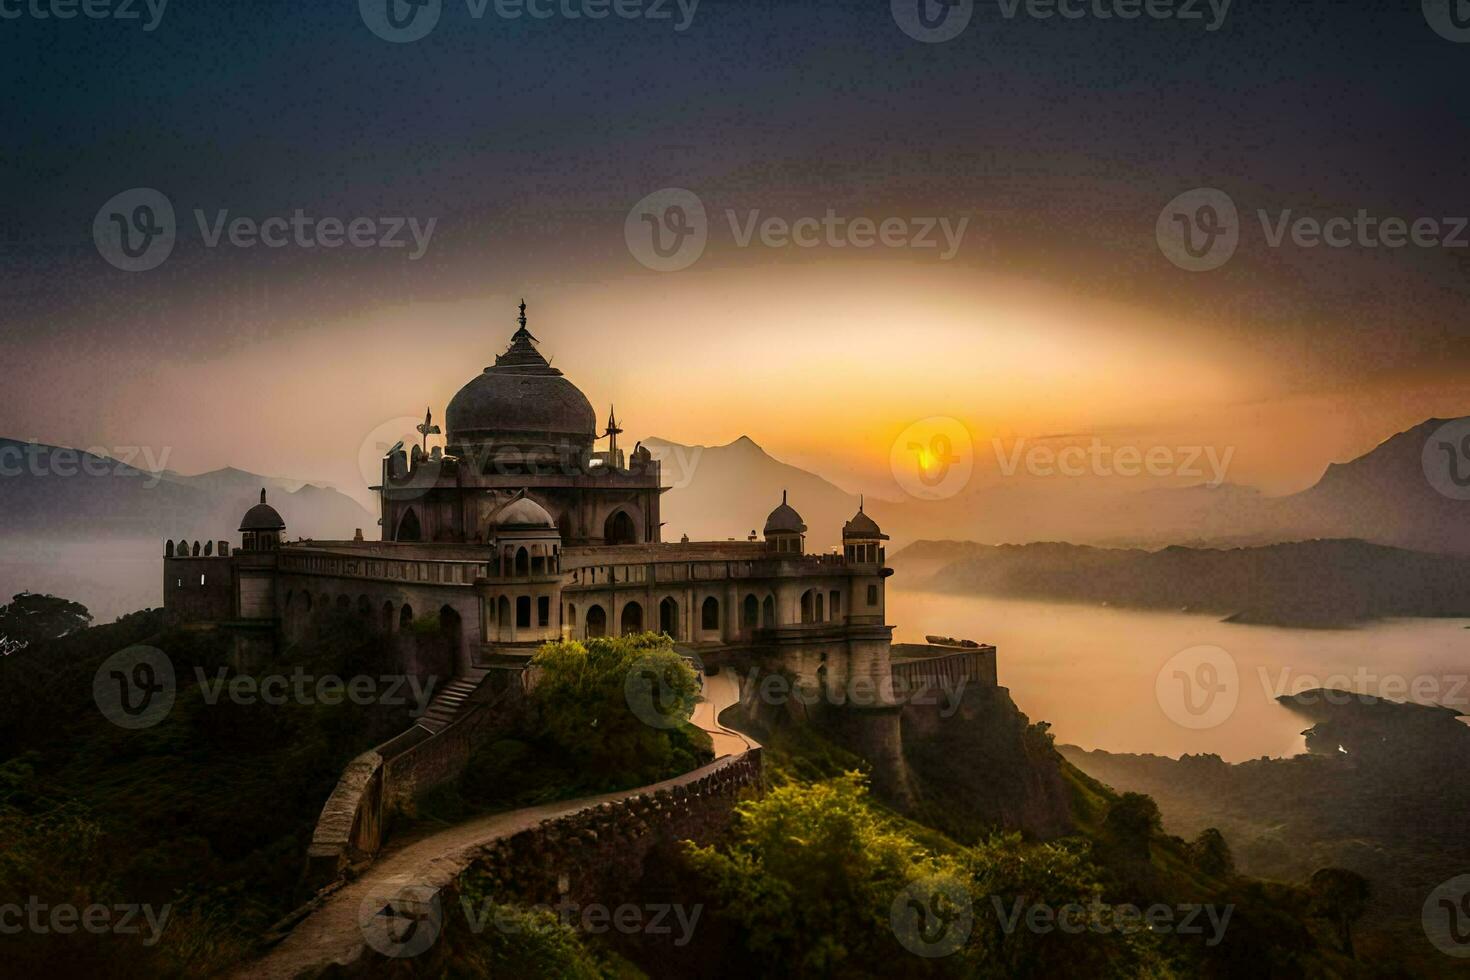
(451, 698)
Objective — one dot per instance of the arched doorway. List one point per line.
(619, 529)
(408, 527)
(387, 620)
(750, 612)
(806, 606)
(596, 621)
(405, 617)
(668, 616)
(632, 618)
(709, 615)
(503, 620)
(523, 562)
(768, 613)
(449, 629)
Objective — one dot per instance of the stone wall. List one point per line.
(918, 667)
(198, 590)
(350, 830)
(597, 855)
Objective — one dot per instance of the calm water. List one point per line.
(1092, 672)
(109, 577)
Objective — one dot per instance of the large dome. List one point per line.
(519, 397)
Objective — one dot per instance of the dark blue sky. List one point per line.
(530, 140)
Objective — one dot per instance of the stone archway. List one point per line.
(409, 528)
(619, 529)
(596, 621)
(632, 619)
(750, 613)
(451, 631)
(668, 617)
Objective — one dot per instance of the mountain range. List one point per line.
(91, 527)
(1319, 583)
(1381, 497)
(52, 491)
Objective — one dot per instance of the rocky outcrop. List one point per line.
(977, 764)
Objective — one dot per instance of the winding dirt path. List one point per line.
(333, 932)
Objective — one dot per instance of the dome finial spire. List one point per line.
(262, 494)
(523, 313)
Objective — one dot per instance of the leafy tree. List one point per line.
(1010, 879)
(1132, 821)
(1211, 854)
(617, 707)
(31, 617)
(494, 939)
(1340, 896)
(810, 879)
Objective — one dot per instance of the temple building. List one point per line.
(521, 531)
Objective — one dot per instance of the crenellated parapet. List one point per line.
(200, 548)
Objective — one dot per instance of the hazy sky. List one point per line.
(1057, 142)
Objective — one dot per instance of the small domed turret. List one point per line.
(784, 519)
(861, 538)
(261, 527)
(862, 526)
(785, 528)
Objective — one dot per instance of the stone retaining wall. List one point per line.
(597, 855)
